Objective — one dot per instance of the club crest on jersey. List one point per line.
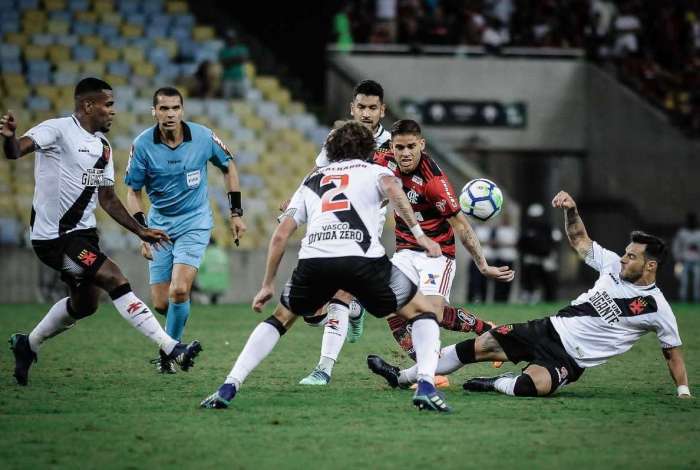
(417, 179)
(87, 257)
(441, 205)
(106, 152)
(412, 196)
(392, 166)
(637, 306)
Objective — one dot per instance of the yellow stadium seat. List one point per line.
(176, 7)
(111, 17)
(107, 54)
(131, 30)
(167, 44)
(94, 68)
(294, 107)
(203, 33)
(92, 41)
(133, 55)
(54, 5)
(253, 122)
(11, 80)
(86, 16)
(103, 6)
(35, 16)
(116, 80)
(19, 92)
(282, 97)
(18, 39)
(62, 103)
(47, 91)
(58, 27)
(250, 70)
(241, 108)
(69, 67)
(59, 53)
(144, 69)
(32, 52)
(266, 84)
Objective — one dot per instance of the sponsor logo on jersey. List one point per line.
(417, 179)
(339, 231)
(467, 318)
(93, 177)
(605, 307)
(448, 193)
(87, 257)
(84, 150)
(220, 143)
(412, 196)
(614, 278)
(392, 166)
(432, 279)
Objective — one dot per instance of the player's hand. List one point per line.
(284, 204)
(432, 248)
(563, 200)
(154, 236)
(146, 251)
(262, 297)
(238, 228)
(8, 125)
(499, 273)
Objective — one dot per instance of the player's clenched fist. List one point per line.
(563, 200)
(8, 125)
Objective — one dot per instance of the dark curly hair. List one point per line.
(350, 140)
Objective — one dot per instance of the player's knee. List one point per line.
(81, 309)
(542, 380)
(343, 296)
(486, 344)
(179, 293)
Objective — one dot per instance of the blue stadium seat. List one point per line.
(68, 40)
(158, 56)
(140, 42)
(107, 31)
(119, 68)
(129, 7)
(159, 20)
(117, 42)
(28, 4)
(63, 78)
(10, 52)
(38, 103)
(153, 6)
(61, 15)
(38, 67)
(11, 66)
(83, 28)
(83, 53)
(44, 40)
(180, 34)
(167, 72)
(184, 21)
(78, 5)
(10, 231)
(135, 18)
(156, 31)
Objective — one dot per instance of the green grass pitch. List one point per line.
(95, 402)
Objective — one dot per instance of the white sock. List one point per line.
(448, 363)
(426, 343)
(506, 385)
(139, 315)
(334, 334)
(260, 343)
(56, 321)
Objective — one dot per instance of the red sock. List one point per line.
(458, 319)
(402, 335)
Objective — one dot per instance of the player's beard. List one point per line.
(631, 277)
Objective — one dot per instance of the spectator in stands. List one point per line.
(233, 57)
(505, 247)
(686, 251)
(207, 80)
(477, 284)
(214, 275)
(536, 244)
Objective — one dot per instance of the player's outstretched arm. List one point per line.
(275, 252)
(12, 147)
(391, 187)
(466, 235)
(575, 230)
(116, 210)
(676, 366)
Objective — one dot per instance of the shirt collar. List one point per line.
(186, 134)
(379, 132)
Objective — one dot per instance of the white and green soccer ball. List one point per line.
(481, 199)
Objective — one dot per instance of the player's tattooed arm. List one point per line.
(116, 210)
(467, 236)
(575, 230)
(394, 192)
(12, 147)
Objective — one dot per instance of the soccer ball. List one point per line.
(481, 199)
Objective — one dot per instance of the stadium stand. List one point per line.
(138, 46)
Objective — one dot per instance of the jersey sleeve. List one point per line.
(135, 176)
(666, 327)
(108, 178)
(221, 156)
(44, 135)
(296, 208)
(602, 260)
(442, 196)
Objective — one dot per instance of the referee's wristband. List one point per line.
(417, 231)
(141, 218)
(234, 203)
(683, 390)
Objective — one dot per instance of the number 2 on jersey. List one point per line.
(327, 202)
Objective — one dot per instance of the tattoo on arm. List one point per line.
(471, 243)
(576, 231)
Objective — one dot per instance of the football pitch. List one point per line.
(94, 401)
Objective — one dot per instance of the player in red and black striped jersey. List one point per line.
(438, 212)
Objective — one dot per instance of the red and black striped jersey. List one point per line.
(432, 198)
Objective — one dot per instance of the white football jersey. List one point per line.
(608, 319)
(382, 138)
(340, 203)
(69, 166)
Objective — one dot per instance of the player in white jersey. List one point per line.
(74, 169)
(343, 313)
(341, 250)
(623, 305)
